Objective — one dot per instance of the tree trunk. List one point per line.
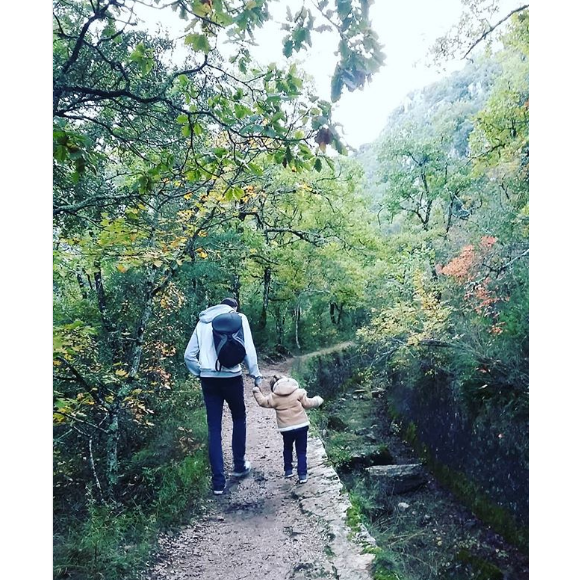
(333, 312)
(427, 215)
(108, 325)
(101, 298)
(279, 327)
(265, 298)
(236, 288)
(449, 216)
(113, 450)
(143, 321)
(340, 311)
(94, 470)
(296, 321)
(82, 286)
(113, 431)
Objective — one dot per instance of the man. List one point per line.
(221, 384)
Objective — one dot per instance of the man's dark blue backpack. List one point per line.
(228, 338)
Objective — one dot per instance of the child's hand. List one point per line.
(274, 380)
(255, 390)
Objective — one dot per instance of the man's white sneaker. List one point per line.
(245, 471)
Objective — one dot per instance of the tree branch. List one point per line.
(80, 379)
(310, 237)
(98, 15)
(498, 271)
(92, 462)
(74, 207)
(74, 418)
(492, 28)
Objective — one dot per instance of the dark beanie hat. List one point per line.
(230, 302)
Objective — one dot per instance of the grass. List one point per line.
(164, 482)
(481, 569)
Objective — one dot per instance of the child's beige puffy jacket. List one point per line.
(289, 401)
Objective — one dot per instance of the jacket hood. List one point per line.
(285, 386)
(210, 313)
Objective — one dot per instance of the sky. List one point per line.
(406, 29)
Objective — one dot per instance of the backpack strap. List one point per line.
(217, 351)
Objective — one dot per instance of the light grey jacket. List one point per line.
(200, 356)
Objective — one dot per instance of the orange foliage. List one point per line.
(465, 268)
(487, 241)
(461, 266)
(483, 297)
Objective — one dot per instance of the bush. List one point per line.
(165, 476)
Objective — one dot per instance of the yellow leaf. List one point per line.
(121, 373)
(158, 263)
(121, 268)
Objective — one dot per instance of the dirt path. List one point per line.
(266, 527)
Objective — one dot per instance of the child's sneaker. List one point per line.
(218, 490)
(302, 478)
(288, 473)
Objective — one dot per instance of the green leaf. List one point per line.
(60, 403)
(198, 42)
(256, 169)
(318, 165)
(138, 53)
(343, 7)
(109, 29)
(252, 128)
(60, 153)
(279, 115)
(241, 111)
(57, 343)
(201, 8)
(336, 86)
(288, 46)
(299, 36)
